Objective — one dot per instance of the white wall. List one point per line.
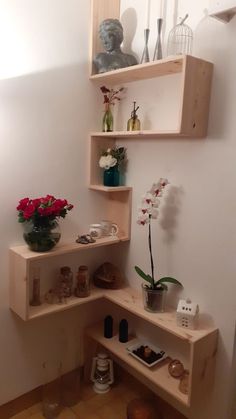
(195, 238)
(47, 108)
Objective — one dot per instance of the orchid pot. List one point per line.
(153, 300)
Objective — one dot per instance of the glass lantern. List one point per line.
(102, 373)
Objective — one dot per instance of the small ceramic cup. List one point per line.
(96, 231)
(109, 228)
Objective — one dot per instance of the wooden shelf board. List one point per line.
(131, 300)
(110, 188)
(164, 67)
(225, 15)
(62, 249)
(46, 309)
(157, 375)
(139, 134)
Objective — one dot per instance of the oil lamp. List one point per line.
(102, 373)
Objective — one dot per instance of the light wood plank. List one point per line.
(129, 135)
(62, 249)
(46, 309)
(197, 78)
(160, 68)
(224, 16)
(202, 368)
(103, 188)
(119, 211)
(19, 285)
(100, 10)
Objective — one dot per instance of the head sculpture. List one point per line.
(112, 35)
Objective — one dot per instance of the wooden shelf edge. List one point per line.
(45, 309)
(166, 66)
(144, 134)
(130, 300)
(62, 249)
(224, 16)
(110, 189)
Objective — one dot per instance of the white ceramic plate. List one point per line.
(135, 344)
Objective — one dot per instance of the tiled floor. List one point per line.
(93, 406)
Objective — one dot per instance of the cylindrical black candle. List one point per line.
(108, 327)
(123, 331)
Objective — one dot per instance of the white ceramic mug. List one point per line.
(95, 231)
(109, 228)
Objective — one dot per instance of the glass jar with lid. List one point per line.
(82, 287)
(66, 278)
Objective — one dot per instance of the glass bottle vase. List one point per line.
(111, 177)
(107, 121)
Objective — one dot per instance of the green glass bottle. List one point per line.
(133, 123)
(107, 122)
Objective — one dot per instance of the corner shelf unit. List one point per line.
(201, 348)
(196, 76)
(21, 259)
(194, 98)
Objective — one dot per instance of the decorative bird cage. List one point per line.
(180, 40)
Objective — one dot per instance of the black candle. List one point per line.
(108, 327)
(123, 331)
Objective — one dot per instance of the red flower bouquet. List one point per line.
(39, 209)
(40, 217)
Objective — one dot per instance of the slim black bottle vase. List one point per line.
(108, 327)
(123, 331)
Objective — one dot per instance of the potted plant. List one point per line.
(154, 291)
(110, 161)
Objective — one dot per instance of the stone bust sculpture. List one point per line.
(111, 35)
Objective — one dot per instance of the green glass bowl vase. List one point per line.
(42, 236)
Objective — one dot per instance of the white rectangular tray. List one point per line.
(135, 343)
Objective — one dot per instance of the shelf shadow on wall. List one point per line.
(129, 20)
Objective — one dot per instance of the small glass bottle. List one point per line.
(82, 288)
(107, 121)
(133, 123)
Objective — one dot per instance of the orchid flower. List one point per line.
(147, 211)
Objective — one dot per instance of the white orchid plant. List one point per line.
(112, 157)
(148, 211)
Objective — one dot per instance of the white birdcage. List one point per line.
(180, 40)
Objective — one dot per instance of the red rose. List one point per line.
(22, 204)
(29, 211)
